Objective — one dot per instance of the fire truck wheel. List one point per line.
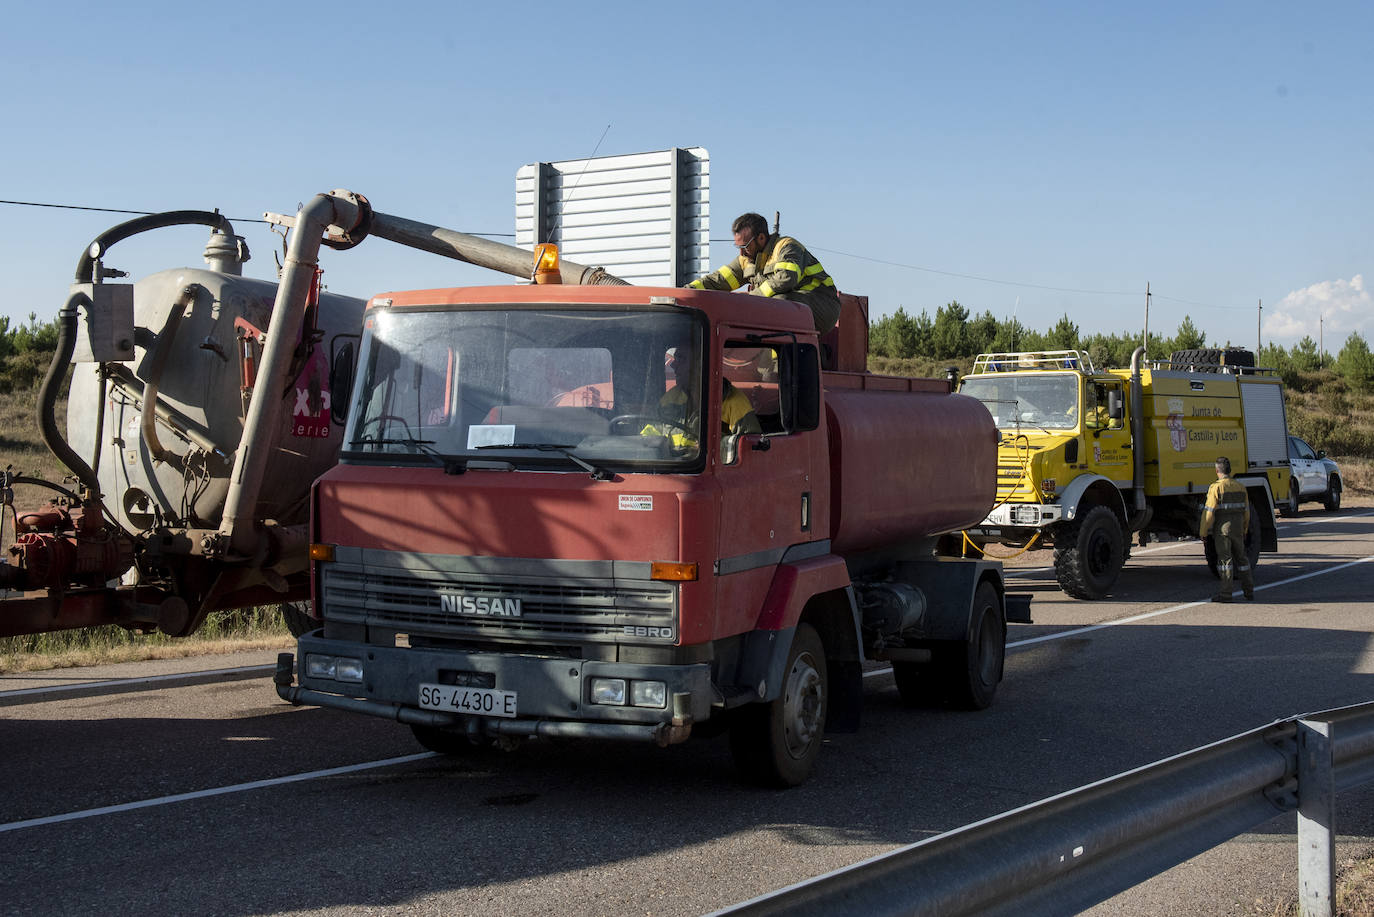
(449, 742)
(776, 743)
(974, 668)
(1088, 560)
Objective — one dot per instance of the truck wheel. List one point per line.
(296, 616)
(973, 667)
(1332, 499)
(1088, 557)
(1289, 507)
(453, 743)
(777, 743)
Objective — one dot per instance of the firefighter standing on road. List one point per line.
(776, 266)
(1227, 518)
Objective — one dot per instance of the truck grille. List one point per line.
(1008, 478)
(552, 607)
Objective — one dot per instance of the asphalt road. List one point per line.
(87, 825)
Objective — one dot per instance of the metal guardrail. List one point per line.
(1071, 851)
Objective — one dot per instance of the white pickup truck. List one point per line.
(1316, 478)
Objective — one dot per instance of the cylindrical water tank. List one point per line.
(205, 359)
(907, 464)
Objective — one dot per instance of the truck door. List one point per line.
(1108, 438)
(765, 484)
(1307, 469)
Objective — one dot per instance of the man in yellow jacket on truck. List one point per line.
(779, 266)
(1226, 516)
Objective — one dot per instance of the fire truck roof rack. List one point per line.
(1033, 359)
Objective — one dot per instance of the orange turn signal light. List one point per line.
(673, 573)
(322, 552)
(546, 263)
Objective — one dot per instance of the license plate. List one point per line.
(474, 701)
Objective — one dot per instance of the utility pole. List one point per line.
(1259, 316)
(1321, 348)
(1145, 342)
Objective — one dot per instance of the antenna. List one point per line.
(1146, 341)
(585, 164)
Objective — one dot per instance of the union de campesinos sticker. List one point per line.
(637, 502)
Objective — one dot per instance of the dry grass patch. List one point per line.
(223, 632)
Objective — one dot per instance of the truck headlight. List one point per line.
(610, 691)
(649, 694)
(335, 668)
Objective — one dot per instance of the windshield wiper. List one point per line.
(598, 474)
(423, 446)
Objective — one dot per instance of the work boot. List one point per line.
(1222, 597)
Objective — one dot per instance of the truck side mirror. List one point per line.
(799, 369)
(341, 365)
(1115, 408)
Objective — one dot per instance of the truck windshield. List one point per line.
(1045, 400)
(529, 388)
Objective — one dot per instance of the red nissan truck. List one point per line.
(540, 525)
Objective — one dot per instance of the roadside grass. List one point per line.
(21, 445)
(223, 632)
(1354, 892)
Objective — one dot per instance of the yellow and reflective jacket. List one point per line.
(1226, 500)
(784, 268)
(736, 416)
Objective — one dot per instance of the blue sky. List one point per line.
(1035, 159)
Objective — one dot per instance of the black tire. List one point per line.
(1332, 498)
(1252, 545)
(1088, 554)
(776, 743)
(1289, 508)
(296, 616)
(452, 742)
(973, 667)
(1210, 358)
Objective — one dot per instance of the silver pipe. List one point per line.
(496, 256)
(1137, 434)
(159, 362)
(337, 209)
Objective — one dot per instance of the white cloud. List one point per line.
(1331, 309)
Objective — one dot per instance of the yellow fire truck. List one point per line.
(1089, 458)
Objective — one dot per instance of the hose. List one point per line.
(85, 267)
(1030, 544)
(67, 329)
(48, 392)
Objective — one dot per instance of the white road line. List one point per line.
(216, 791)
(131, 684)
(1060, 635)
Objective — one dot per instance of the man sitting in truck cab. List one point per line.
(679, 409)
(1096, 415)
